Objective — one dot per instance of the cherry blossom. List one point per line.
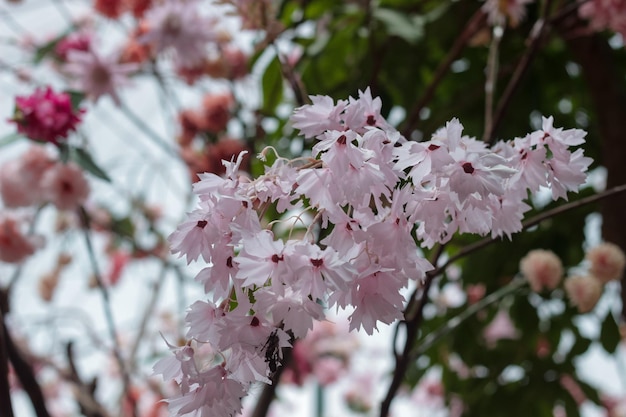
(65, 186)
(97, 75)
(607, 262)
(584, 291)
(180, 27)
(501, 11)
(543, 269)
(15, 245)
(377, 198)
(45, 116)
(605, 14)
(20, 179)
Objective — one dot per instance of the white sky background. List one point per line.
(114, 138)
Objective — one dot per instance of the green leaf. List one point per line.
(76, 98)
(123, 226)
(64, 152)
(10, 138)
(401, 25)
(272, 86)
(84, 160)
(43, 51)
(609, 335)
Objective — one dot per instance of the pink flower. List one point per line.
(501, 327)
(45, 116)
(118, 260)
(75, 41)
(65, 186)
(605, 14)
(542, 268)
(15, 246)
(314, 119)
(20, 180)
(179, 26)
(584, 291)
(499, 10)
(97, 76)
(607, 262)
(475, 293)
(215, 112)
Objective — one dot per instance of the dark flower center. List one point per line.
(468, 168)
(317, 262)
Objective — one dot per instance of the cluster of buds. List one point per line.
(544, 271)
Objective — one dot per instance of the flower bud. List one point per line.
(584, 291)
(607, 262)
(542, 268)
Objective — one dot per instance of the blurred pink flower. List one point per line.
(15, 246)
(179, 26)
(75, 41)
(45, 116)
(501, 327)
(607, 262)
(97, 76)
(499, 11)
(118, 259)
(65, 186)
(584, 291)
(20, 179)
(605, 14)
(475, 293)
(542, 268)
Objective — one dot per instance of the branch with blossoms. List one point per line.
(378, 197)
(344, 223)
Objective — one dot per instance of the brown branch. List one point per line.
(6, 409)
(415, 319)
(25, 374)
(108, 312)
(535, 37)
(475, 23)
(269, 391)
(605, 84)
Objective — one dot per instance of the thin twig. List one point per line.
(456, 321)
(475, 23)
(148, 313)
(65, 12)
(534, 40)
(108, 312)
(492, 75)
(414, 320)
(143, 126)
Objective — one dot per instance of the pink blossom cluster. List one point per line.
(324, 353)
(544, 271)
(37, 177)
(605, 14)
(375, 197)
(45, 116)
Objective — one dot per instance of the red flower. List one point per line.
(45, 116)
(109, 8)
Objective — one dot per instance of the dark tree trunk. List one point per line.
(607, 88)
